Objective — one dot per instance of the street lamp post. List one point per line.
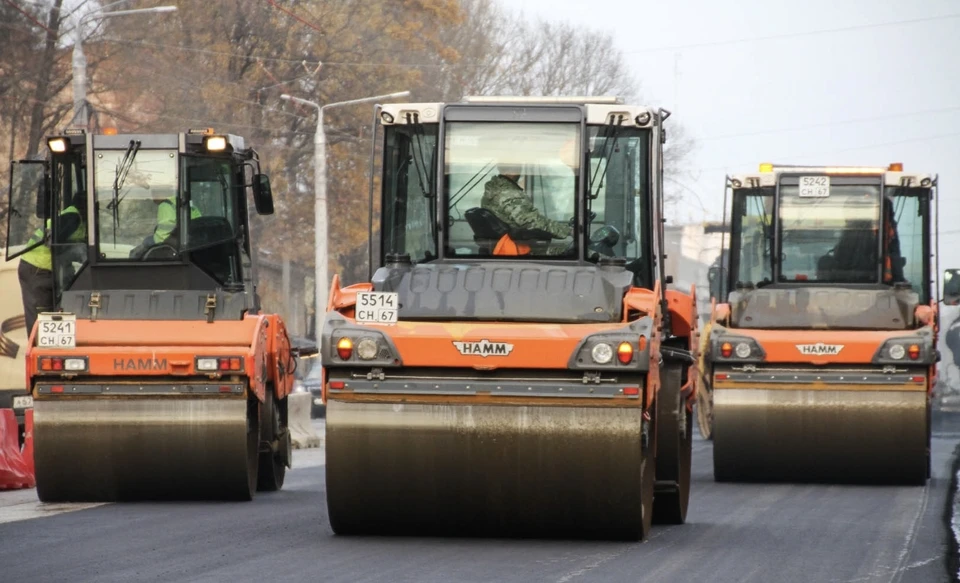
(320, 199)
(80, 60)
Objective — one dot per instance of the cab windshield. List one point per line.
(510, 191)
(511, 188)
(132, 188)
(831, 237)
(140, 208)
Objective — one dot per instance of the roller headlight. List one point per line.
(216, 143)
(75, 364)
(602, 353)
(896, 351)
(57, 145)
(737, 349)
(367, 349)
(207, 364)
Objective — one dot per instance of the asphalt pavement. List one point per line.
(734, 533)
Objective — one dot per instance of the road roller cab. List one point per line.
(156, 374)
(515, 365)
(821, 357)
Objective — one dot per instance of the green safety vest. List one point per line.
(167, 219)
(40, 256)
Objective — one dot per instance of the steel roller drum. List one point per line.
(113, 449)
(822, 435)
(486, 470)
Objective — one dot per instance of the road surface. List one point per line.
(735, 533)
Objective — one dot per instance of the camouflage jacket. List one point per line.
(504, 198)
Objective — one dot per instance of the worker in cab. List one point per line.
(36, 266)
(893, 262)
(504, 197)
(854, 256)
(167, 231)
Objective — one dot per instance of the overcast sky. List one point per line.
(883, 86)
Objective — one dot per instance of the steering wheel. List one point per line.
(601, 242)
(148, 252)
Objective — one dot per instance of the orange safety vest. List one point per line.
(890, 233)
(507, 246)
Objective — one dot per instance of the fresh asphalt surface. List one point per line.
(735, 532)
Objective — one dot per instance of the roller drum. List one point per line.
(114, 449)
(487, 470)
(837, 436)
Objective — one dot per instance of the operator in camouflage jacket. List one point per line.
(503, 197)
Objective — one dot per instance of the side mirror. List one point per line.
(951, 287)
(262, 194)
(605, 235)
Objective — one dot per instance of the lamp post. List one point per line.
(320, 200)
(80, 60)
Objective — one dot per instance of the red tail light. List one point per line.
(625, 352)
(914, 351)
(726, 349)
(336, 385)
(631, 391)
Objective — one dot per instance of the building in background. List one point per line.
(692, 249)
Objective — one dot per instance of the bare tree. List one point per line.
(501, 53)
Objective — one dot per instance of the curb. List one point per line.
(302, 433)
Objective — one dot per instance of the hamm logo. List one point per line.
(139, 364)
(484, 348)
(820, 349)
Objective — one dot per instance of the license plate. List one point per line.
(23, 402)
(814, 186)
(377, 307)
(57, 330)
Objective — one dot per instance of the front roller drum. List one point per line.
(116, 449)
(488, 470)
(836, 436)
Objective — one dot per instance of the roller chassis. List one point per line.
(505, 375)
(799, 383)
(158, 375)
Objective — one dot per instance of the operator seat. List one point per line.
(488, 229)
(214, 248)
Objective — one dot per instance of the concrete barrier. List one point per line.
(298, 420)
